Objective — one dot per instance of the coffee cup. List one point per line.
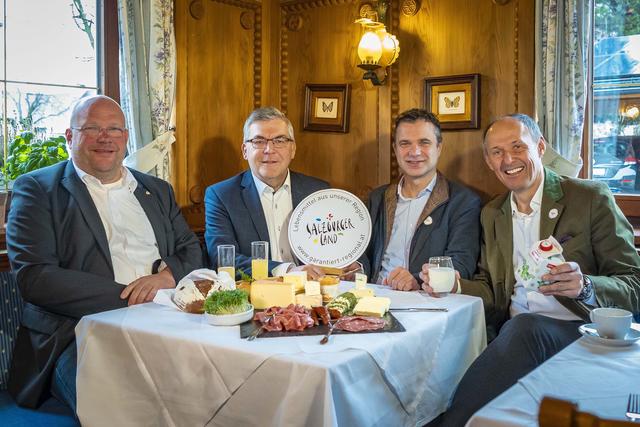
(612, 323)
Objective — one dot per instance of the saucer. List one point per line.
(589, 331)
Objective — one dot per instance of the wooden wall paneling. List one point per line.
(323, 50)
(314, 41)
(461, 37)
(219, 83)
(392, 105)
(270, 53)
(526, 56)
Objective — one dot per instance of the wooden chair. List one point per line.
(561, 413)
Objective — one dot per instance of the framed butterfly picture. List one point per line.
(326, 107)
(455, 100)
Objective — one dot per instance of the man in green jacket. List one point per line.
(602, 267)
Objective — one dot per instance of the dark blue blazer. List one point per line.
(234, 215)
(58, 248)
(453, 230)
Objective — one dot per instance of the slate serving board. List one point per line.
(247, 328)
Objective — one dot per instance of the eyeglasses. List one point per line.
(260, 143)
(93, 131)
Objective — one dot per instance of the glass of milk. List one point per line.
(442, 276)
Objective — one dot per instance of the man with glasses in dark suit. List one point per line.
(256, 204)
(84, 236)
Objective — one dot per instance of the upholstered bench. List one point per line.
(52, 413)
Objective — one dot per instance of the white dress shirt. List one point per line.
(132, 243)
(277, 206)
(526, 231)
(408, 211)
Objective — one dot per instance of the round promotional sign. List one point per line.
(330, 228)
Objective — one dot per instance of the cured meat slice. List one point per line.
(359, 323)
(290, 318)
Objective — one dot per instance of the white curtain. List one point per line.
(147, 82)
(563, 35)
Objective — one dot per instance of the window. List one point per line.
(615, 130)
(50, 58)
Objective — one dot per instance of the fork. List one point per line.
(633, 407)
(261, 329)
(325, 339)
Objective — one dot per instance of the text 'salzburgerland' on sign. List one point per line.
(330, 227)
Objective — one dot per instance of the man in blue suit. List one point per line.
(424, 215)
(256, 204)
(85, 236)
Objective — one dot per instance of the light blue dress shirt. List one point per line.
(408, 210)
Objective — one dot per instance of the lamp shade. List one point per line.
(370, 48)
(632, 112)
(390, 48)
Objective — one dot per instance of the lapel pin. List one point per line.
(147, 193)
(553, 213)
(428, 221)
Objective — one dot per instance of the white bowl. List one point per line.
(229, 319)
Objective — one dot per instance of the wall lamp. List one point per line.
(631, 111)
(377, 50)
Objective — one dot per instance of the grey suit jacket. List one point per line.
(234, 215)
(584, 217)
(454, 229)
(58, 248)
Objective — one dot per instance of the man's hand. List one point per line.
(401, 280)
(566, 280)
(313, 271)
(145, 288)
(424, 275)
(351, 269)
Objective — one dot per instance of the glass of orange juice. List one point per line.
(227, 260)
(259, 260)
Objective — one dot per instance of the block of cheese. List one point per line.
(372, 306)
(361, 293)
(312, 288)
(265, 294)
(309, 300)
(298, 278)
(361, 281)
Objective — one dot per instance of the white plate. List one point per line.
(229, 319)
(589, 331)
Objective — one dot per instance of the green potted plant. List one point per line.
(27, 153)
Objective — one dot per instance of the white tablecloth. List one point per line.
(596, 377)
(153, 365)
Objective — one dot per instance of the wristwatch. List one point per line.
(587, 289)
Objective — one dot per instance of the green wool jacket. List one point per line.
(593, 231)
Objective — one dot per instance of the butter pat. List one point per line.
(298, 278)
(309, 300)
(312, 288)
(372, 306)
(265, 294)
(361, 293)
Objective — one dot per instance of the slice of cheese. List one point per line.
(309, 300)
(361, 293)
(265, 294)
(298, 278)
(372, 306)
(312, 288)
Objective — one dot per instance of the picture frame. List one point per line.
(327, 107)
(455, 100)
